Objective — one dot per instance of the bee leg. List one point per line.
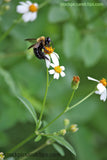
(45, 49)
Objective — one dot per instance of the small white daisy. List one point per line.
(57, 70)
(51, 55)
(28, 9)
(101, 88)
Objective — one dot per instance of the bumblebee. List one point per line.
(39, 46)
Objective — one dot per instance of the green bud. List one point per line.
(75, 82)
(62, 132)
(66, 122)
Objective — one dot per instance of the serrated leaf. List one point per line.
(63, 142)
(58, 14)
(59, 149)
(29, 106)
(90, 48)
(71, 40)
(38, 138)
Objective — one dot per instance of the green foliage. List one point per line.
(79, 36)
(91, 50)
(28, 105)
(71, 40)
(59, 149)
(63, 142)
(58, 14)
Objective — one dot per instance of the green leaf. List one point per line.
(59, 149)
(63, 142)
(71, 40)
(58, 14)
(9, 81)
(91, 50)
(38, 138)
(29, 106)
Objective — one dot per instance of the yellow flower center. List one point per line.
(103, 81)
(33, 8)
(58, 69)
(48, 50)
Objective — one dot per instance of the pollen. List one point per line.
(48, 50)
(103, 81)
(58, 69)
(33, 8)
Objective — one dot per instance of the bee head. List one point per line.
(47, 41)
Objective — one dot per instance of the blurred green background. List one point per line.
(79, 36)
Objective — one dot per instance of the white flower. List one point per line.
(28, 9)
(57, 70)
(51, 55)
(101, 88)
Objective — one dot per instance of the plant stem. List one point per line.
(44, 100)
(22, 143)
(10, 28)
(36, 150)
(43, 4)
(68, 108)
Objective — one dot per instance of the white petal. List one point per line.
(51, 71)
(24, 4)
(52, 65)
(62, 74)
(54, 59)
(56, 75)
(36, 4)
(97, 92)
(56, 54)
(29, 3)
(103, 96)
(62, 67)
(47, 61)
(101, 88)
(22, 9)
(33, 16)
(92, 79)
(26, 17)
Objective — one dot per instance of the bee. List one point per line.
(39, 46)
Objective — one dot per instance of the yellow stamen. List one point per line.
(103, 81)
(58, 69)
(33, 8)
(48, 50)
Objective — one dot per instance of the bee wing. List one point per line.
(36, 45)
(31, 40)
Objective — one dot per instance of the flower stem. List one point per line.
(43, 4)
(36, 150)
(9, 29)
(44, 100)
(67, 108)
(22, 143)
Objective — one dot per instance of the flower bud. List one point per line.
(62, 132)
(75, 82)
(1, 156)
(66, 122)
(74, 128)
